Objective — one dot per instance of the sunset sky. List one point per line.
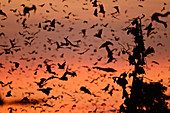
(36, 44)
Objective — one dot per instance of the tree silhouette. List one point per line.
(144, 97)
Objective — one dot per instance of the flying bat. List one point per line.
(46, 90)
(105, 69)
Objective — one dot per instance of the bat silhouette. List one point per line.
(94, 3)
(46, 90)
(48, 67)
(12, 43)
(23, 22)
(62, 55)
(11, 109)
(84, 51)
(93, 26)
(8, 51)
(105, 25)
(48, 105)
(39, 25)
(1, 66)
(155, 17)
(2, 13)
(58, 45)
(140, 5)
(28, 43)
(25, 100)
(33, 52)
(2, 34)
(73, 74)
(28, 9)
(61, 66)
(3, 85)
(95, 13)
(116, 38)
(149, 29)
(41, 83)
(99, 33)
(117, 9)
(84, 89)
(13, 10)
(106, 88)
(110, 92)
(160, 44)
(42, 5)
(16, 64)
(102, 9)
(110, 53)
(105, 69)
(1, 82)
(52, 24)
(84, 32)
(85, 21)
(149, 50)
(106, 44)
(155, 62)
(68, 42)
(8, 94)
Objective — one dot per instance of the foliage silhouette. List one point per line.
(144, 97)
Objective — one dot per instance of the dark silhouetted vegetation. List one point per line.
(144, 97)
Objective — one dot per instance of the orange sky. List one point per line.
(25, 77)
